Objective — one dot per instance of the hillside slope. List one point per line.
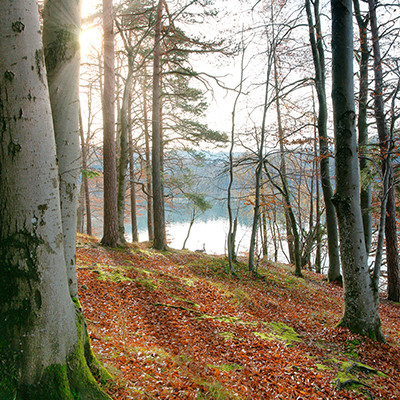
(174, 325)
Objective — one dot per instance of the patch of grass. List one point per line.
(146, 283)
(116, 274)
(215, 391)
(189, 281)
(226, 335)
(192, 303)
(226, 367)
(279, 331)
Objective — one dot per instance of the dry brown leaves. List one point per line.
(176, 326)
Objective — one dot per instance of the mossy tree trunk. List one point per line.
(361, 292)
(41, 351)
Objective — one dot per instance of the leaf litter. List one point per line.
(222, 337)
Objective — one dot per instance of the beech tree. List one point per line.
(43, 348)
(386, 146)
(317, 48)
(361, 291)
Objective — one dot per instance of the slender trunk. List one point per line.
(317, 209)
(316, 41)
(110, 227)
(189, 229)
(158, 200)
(149, 196)
(385, 145)
(259, 169)
(291, 224)
(361, 296)
(365, 171)
(84, 147)
(124, 153)
(231, 236)
(135, 237)
(80, 218)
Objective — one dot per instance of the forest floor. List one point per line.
(175, 325)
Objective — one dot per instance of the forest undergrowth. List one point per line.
(175, 325)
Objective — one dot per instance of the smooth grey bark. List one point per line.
(85, 180)
(149, 185)
(124, 153)
(289, 229)
(258, 173)
(361, 313)
(317, 48)
(231, 230)
(110, 223)
(80, 224)
(41, 354)
(159, 242)
(135, 236)
(61, 29)
(386, 147)
(362, 125)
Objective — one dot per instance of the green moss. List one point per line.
(116, 275)
(216, 391)
(80, 377)
(147, 283)
(227, 335)
(53, 385)
(225, 367)
(322, 367)
(279, 331)
(63, 48)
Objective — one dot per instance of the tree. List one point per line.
(61, 50)
(362, 125)
(386, 146)
(361, 313)
(42, 332)
(317, 48)
(110, 227)
(158, 196)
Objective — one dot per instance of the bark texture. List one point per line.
(385, 145)
(158, 198)
(41, 354)
(110, 228)
(61, 29)
(316, 41)
(361, 295)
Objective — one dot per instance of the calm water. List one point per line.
(212, 234)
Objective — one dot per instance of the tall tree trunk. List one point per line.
(316, 41)
(231, 230)
(110, 227)
(385, 145)
(124, 153)
(41, 351)
(149, 190)
(84, 148)
(365, 172)
(80, 218)
(361, 313)
(135, 237)
(158, 199)
(61, 27)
